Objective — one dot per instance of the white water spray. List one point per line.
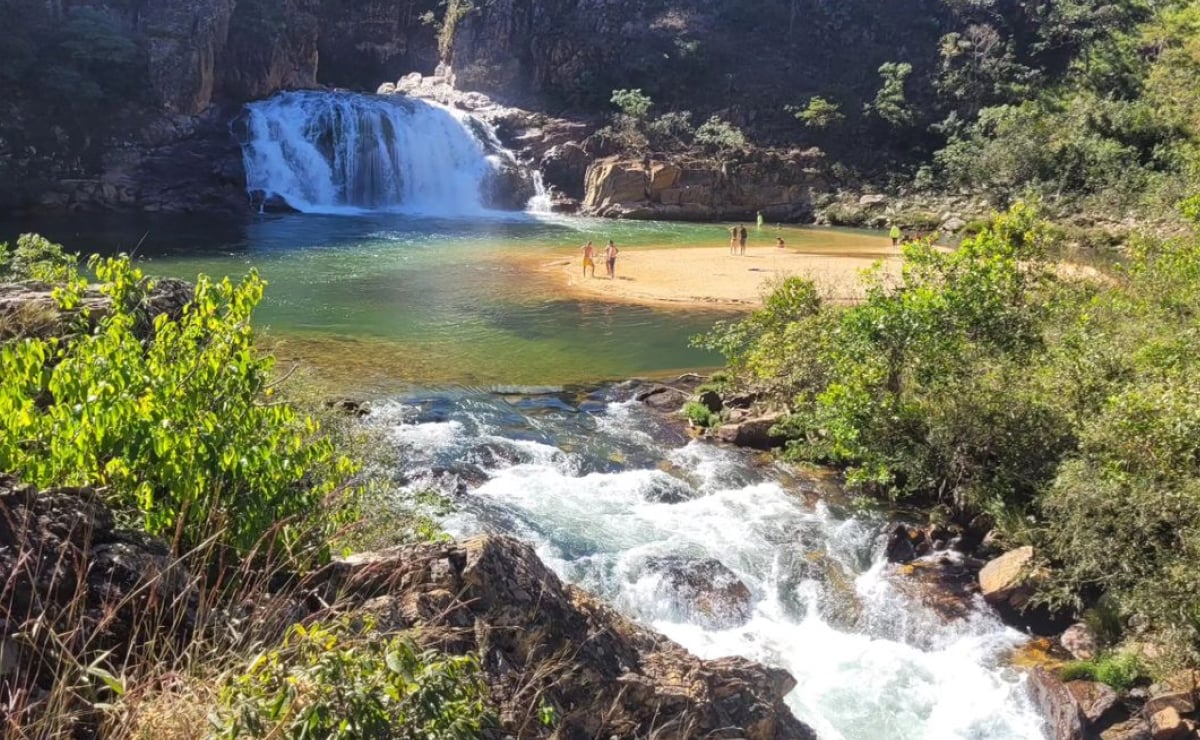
(325, 152)
(605, 502)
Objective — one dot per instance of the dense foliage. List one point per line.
(338, 682)
(178, 429)
(1061, 404)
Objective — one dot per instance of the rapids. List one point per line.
(607, 492)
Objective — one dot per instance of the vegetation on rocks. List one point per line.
(998, 388)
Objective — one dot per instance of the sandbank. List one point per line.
(712, 277)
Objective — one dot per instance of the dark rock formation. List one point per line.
(537, 637)
(67, 569)
(1057, 705)
(704, 591)
(754, 433)
(662, 398)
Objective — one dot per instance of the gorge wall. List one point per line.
(127, 105)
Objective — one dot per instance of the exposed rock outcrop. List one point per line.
(67, 569)
(29, 307)
(779, 184)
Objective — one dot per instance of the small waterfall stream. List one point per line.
(336, 152)
(623, 504)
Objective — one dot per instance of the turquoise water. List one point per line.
(379, 300)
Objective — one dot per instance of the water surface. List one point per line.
(385, 299)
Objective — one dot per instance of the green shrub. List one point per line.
(1119, 670)
(632, 103)
(181, 432)
(818, 113)
(36, 258)
(721, 136)
(336, 682)
(700, 415)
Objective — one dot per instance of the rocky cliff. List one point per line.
(778, 185)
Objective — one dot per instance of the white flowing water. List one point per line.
(328, 152)
(607, 493)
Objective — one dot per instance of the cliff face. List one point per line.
(115, 107)
(97, 100)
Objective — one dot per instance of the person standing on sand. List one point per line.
(742, 241)
(589, 258)
(733, 238)
(895, 234)
(610, 259)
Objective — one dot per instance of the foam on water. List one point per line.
(347, 153)
(887, 667)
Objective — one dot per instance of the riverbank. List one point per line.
(711, 276)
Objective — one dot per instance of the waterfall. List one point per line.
(336, 152)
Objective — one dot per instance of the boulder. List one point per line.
(1183, 702)
(703, 591)
(754, 433)
(1056, 704)
(711, 400)
(65, 565)
(906, 543)
(611, 182)
(1005, 581)
(564, 167)
(30, 306)
(1134, 728)
(1093, 698)
(1079, 641)
(1166, 724)
(662, 398)
(535, 636)
(953, 225)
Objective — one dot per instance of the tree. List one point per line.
(890, 103)
(819, 113)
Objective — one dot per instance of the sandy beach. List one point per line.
(711, 276)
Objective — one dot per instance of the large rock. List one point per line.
(1056, 704)
(1079, 641)
(779, 184)
(703, 591)
(754, 433)
(1005, 581)
(67, 568)
(537, 637)
(1093, 698)
(1166, 724)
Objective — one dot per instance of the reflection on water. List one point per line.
(417, 299)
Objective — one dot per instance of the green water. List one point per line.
(379, 301)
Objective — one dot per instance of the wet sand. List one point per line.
(711, 276)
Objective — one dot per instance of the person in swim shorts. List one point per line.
(610, 259)
(589, 258)
(742, 240)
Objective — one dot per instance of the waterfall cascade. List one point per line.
(336, 152)
(617, 501)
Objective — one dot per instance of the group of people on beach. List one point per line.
(610, 259)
